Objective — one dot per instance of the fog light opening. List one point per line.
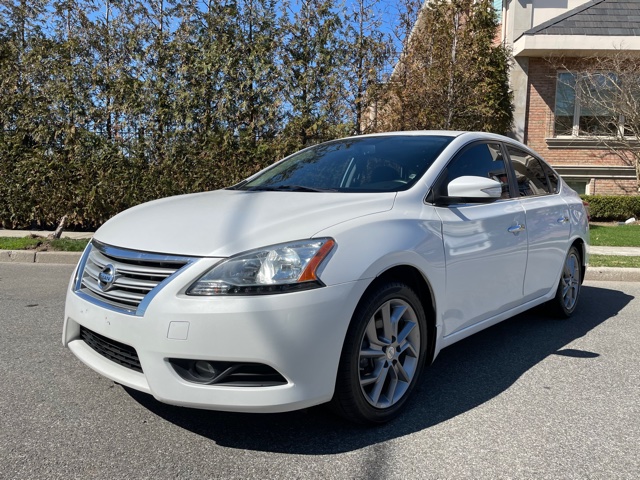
(205, 371)
(229, 374)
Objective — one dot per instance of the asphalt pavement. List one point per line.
(530, 398)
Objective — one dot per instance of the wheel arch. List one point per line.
(581, 246)
(346, 400)
(413, 277)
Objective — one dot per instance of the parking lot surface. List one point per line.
(532, 397)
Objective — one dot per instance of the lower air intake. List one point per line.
(115, 351)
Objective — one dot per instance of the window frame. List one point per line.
(514, 192)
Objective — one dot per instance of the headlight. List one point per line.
(279, 268)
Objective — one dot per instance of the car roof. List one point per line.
(468, 135)
(460, 135)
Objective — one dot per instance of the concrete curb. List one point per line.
(67, 258)
(27, 256)
(613, 274)
(18, 256)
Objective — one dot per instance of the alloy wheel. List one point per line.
(389, 353)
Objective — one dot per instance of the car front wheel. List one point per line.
(383, 354)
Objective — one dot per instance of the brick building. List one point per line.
(554, 41)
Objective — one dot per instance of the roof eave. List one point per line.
(574, 45)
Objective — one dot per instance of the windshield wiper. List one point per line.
(288, 188)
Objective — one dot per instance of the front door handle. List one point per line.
(516, 228)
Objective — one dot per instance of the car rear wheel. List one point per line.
(383, 355)
(568, 292)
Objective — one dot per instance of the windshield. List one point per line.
(366, 164)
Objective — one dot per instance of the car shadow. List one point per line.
(464, 376)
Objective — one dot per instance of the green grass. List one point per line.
(41, 243)
(69, 244)
(615, 236)
(11, 243)
(614, 261)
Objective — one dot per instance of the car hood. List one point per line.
(225, 222)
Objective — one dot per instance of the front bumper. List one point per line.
(299, 334)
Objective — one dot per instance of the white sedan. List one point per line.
(335, 275)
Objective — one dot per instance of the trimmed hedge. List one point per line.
(612, 207)
(93, 180)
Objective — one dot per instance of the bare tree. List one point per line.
(367, 54)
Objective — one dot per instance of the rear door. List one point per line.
(547, 219)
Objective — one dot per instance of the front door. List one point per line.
(485, 245)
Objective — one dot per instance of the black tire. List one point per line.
(568, 293)
(399, 359)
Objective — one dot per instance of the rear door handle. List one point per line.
(516, 228)
(563, 219)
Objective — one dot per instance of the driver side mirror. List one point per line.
(471, 189)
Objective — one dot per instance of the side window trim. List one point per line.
(511, 174)
(546, 168)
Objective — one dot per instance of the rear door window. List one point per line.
(531, 179)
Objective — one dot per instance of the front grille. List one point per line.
(115, 351)
(121, 279)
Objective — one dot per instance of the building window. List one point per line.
(497, 6)
(580, 186)
(585, 105)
